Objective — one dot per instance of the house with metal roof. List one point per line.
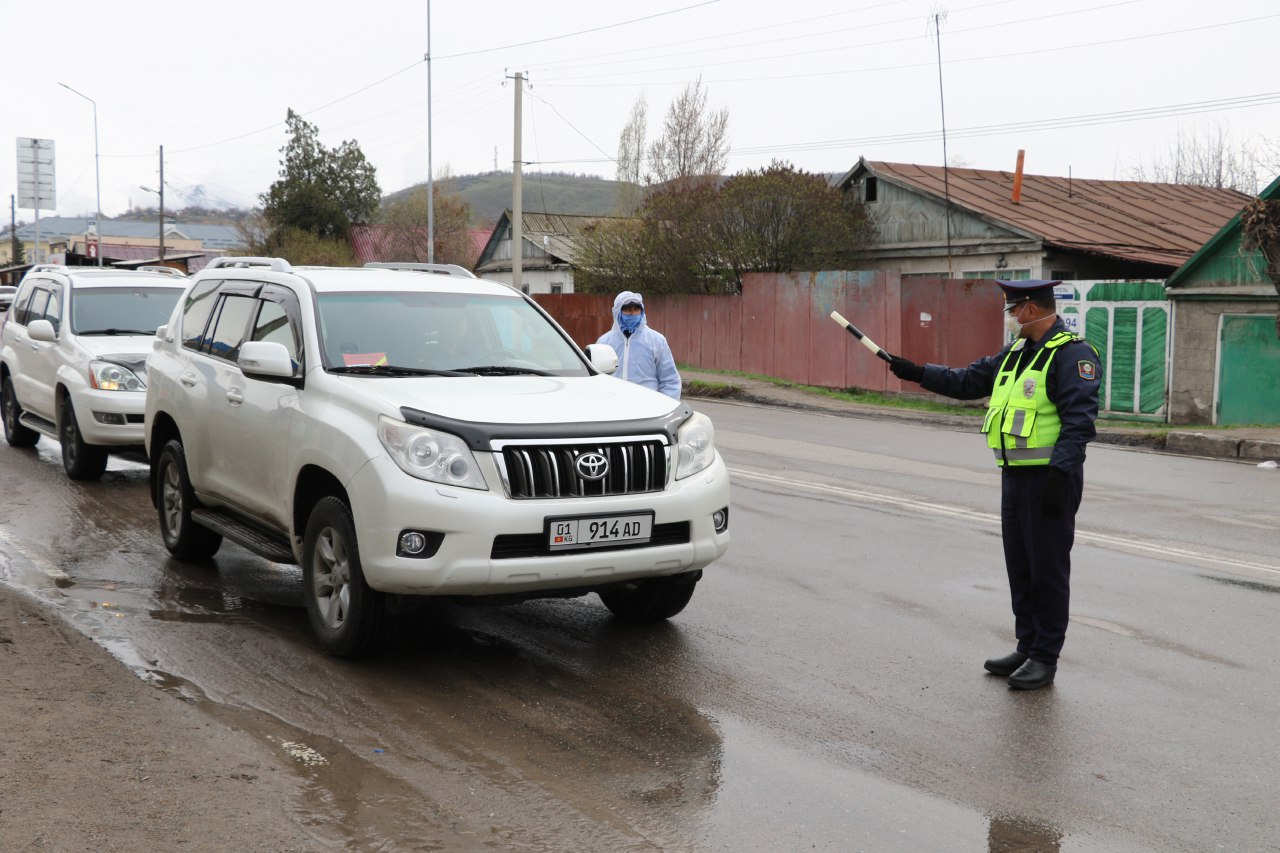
(1226, 332)
(979, 223)
(550, 251)
(71, 239)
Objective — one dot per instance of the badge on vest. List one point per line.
(1028, 388)
(1088, 370)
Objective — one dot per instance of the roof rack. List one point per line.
(275, 264)
(48, 268)
(438, 269)
(160, 269)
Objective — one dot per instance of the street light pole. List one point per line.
(97, 174)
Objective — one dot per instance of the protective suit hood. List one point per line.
(626, 297)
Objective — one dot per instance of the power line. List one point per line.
(985, 58)
(578, 32)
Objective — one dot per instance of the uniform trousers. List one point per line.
(1037, 556)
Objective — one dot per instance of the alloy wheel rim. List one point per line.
(331, 577)
(171, 500)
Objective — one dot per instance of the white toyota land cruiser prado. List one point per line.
(401, 432)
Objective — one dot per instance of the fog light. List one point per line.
(109, 418)
(412, 542)
(420, 544)
(720, 520)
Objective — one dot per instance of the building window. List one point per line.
(1003, 275)
(525, 288)
(870, 189)
(557, 287)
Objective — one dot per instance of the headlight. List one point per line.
(429, 454)
(106, 376)
(696, 445)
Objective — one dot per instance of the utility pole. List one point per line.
(161, 204)
(938, 18)
(517, 206)
(431, 206)
(13, 230)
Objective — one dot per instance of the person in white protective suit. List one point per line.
(644, 357)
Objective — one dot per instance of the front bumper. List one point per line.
(386, 501)
(112, 418)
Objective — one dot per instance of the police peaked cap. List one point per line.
(1022, 291)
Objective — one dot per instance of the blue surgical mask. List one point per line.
(630, 322)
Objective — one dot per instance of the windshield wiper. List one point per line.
(503, 370)
(118, 332)
(390, 370)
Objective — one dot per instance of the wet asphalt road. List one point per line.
(823, 690)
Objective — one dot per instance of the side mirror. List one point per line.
(603, 358)
(42, 330)
(265, 360)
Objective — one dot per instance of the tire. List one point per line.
(650, 600)
(348, 618)
(175, 499)
(15, 433)
(82, 461)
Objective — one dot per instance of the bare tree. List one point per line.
(694, 142)
(406, 221)
(1205, 157)
(1260, 221)
(631, 151)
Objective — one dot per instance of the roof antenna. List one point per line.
(1068, 182)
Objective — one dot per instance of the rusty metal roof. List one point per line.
(1133, 220)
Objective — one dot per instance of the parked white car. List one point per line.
(401, 433)
(72, 353)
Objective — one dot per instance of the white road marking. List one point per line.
(1120, 543)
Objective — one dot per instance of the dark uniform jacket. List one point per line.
(1073, 387)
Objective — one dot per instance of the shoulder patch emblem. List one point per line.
(1088, 370)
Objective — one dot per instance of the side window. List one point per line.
(230, 326)
(273, 325)
(195, 313)
(39, 300)
(22, 304)
(53, 310)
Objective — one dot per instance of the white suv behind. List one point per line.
(72, 351)
(399, 432)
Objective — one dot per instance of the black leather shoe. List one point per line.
(1032, 675)
(1006, 665)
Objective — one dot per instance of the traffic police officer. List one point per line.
(1044, 401)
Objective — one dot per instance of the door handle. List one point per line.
(235, 396)
(188, 379)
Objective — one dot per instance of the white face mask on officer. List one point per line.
(1012, 324)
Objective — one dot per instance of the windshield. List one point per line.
(441, 334)
(122, 310)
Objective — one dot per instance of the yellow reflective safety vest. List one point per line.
(1022, 423)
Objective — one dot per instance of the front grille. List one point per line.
(513, 546)
(551, 471)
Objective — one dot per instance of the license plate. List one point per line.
(564, 534)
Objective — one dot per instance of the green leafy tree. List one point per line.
(407, 217)
(782, 219)
(321, 191)
(700, 238)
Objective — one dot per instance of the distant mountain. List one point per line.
(489, 194)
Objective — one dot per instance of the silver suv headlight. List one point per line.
(696, 445)
(430, 454)
(106, 376)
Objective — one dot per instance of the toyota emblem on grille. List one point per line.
(592, 466)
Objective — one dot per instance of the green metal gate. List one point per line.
(1128, 323)
(1248, 386)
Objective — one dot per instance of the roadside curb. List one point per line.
(1228, 446)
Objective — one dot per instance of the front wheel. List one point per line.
(14, 432)
(185, 539)
(650, 600)
(348, 617)
(82, 461)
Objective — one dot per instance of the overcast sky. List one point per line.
(817, 83)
